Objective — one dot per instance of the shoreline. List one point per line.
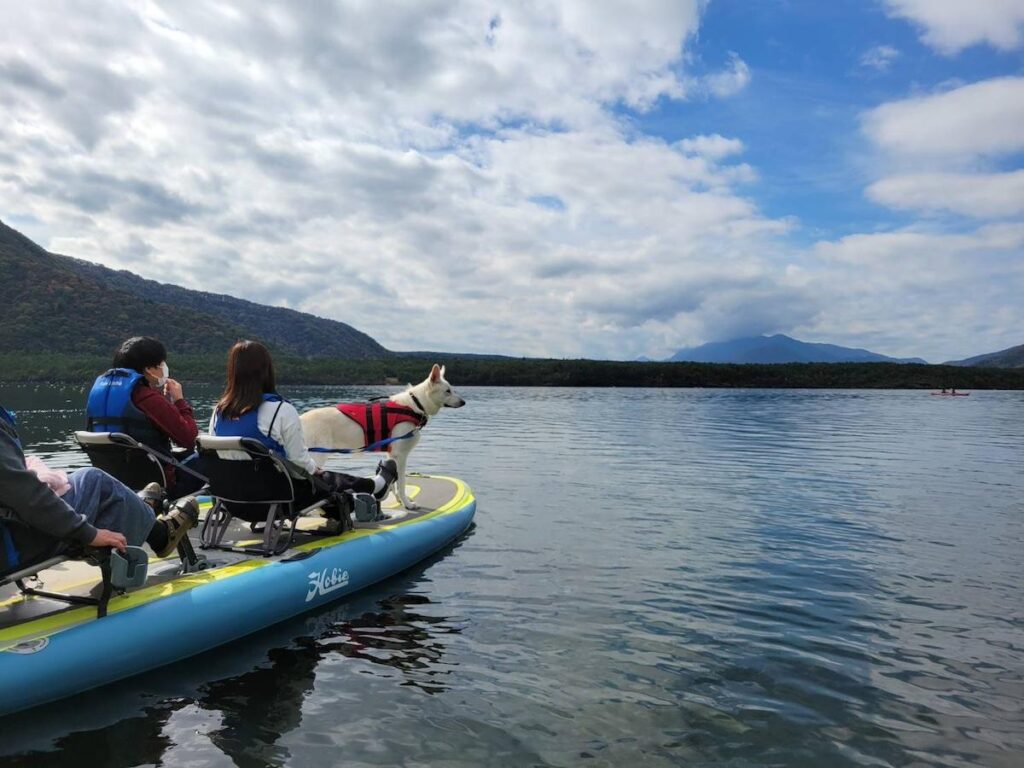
(81, 370)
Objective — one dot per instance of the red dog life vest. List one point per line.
(379, 418)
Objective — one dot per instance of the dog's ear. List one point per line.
(442, 372)
(435, 374)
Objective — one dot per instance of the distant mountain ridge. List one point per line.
(781, 349)
(59, 303)
(1012, 357)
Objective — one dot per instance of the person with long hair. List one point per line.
(251, 407)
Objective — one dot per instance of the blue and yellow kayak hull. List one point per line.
(63, 653)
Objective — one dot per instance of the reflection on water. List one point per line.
(257, 708)
(137, 740)
(659, 577)
(397, 636)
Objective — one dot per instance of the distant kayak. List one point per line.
(951, 394)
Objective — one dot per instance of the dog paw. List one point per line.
(412, 506)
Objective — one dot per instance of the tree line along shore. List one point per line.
(473, 371)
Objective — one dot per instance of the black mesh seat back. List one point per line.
(247, 486)
(33, 547)
(132, 465)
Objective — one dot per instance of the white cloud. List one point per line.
(913, 256)
(982, 195)
(936, 149)
(450, 175)
(289, 153)
(879, 58)
(940, 289)
(950, 26)
(729, 81)
(712, 146)
(983, 118)
(939, 154)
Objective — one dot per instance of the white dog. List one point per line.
(357, 425)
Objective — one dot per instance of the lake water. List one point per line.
(656, 577)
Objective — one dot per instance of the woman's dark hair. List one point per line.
(139, 353)
(250, 376)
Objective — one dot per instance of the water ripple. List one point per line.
(658, 577)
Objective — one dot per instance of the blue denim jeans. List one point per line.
(108, 503)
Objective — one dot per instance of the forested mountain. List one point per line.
(56, 303)
(61, 319)
(780, 349)
(1004, 358)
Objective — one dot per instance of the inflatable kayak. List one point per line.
(50, 650)
(951, 394)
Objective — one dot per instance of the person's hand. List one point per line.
(173, 390)
(105, 538)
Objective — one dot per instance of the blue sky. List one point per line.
(599, 178)
(799, 116)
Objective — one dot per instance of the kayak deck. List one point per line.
(75, 577)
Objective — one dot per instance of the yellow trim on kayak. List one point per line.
(412, 491)
(19, 598)
(49, 625)
(203, 505)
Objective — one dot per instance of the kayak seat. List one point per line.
(250, 483)
(123, 457)
(136, 465)
(30, 571)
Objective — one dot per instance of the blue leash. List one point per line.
(371, 447)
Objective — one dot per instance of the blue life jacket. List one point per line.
(110, 409)
(10, 557)
(247, 425)
(8, 417)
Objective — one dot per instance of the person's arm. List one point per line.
(32, 501)
(287, 430)
(175, 420)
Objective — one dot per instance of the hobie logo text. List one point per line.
(325, 582)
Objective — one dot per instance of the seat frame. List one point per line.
(100, 558)
(281, 518)
(98, 446)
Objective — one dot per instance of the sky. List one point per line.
(560, 178)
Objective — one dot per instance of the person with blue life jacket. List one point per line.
(138, 397)
(40, 518)
(250, 407)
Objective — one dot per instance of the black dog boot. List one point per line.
(387, 470)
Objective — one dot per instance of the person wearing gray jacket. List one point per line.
(96, 511)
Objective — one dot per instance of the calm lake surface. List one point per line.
(656, 577)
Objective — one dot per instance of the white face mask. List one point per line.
(164, 373)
